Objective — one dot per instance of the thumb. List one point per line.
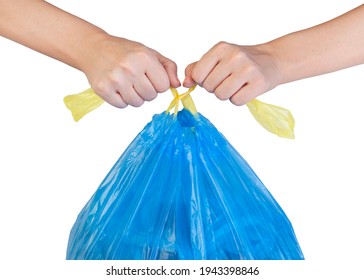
(171, 69)
(188, 81)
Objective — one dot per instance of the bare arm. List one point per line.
(121, 71)
(328, 47)
(241, 73)
(49, 30)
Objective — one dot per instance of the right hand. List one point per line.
(124, 72)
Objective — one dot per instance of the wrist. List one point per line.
(87, 50)
(269, 59)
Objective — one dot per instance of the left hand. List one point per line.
(238, 73)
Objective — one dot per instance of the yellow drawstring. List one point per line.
(186, 100)
(275, 119)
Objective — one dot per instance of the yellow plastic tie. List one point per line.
(186, 100)
(275, 119)
(82, 103)
(86, 101)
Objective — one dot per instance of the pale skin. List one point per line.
(124, 72)
(121, 71)
(241, 73)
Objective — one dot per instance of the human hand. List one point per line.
(238, 73)
(124, 72)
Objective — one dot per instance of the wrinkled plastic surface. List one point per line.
(273, 118)
(82, 103)
(181, 191)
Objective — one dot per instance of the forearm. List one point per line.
(49, 30)
(328, 47)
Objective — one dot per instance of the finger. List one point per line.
(158, 76)
(171, 69)
(220, 72)
(245, 94)
(204, 67)
(230, 86)
(130, 96)
(117, 101)
(109, 94)
(145, 89)
(188, 81)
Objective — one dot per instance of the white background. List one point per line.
(50, 165)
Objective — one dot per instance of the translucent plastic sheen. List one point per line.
(273, 118)
(181, 191)
(82, 103)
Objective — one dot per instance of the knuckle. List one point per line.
(238, 99)
(240, 55)
(235, 100)
(127, 69)
(114, 78)
(117, 101)
(197, 77)
(151, 96)
(134, 61)
(222, 45)
(142, 55)
(101, 87)
(138, 103)
(170, 64)
(121, 105)
(222, 95)
(208, 87)
(162, 86)
(254, 70)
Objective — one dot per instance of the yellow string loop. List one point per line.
(186, 100)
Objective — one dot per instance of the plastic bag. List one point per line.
(181, 191)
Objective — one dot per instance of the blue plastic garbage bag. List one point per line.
(181, 191)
